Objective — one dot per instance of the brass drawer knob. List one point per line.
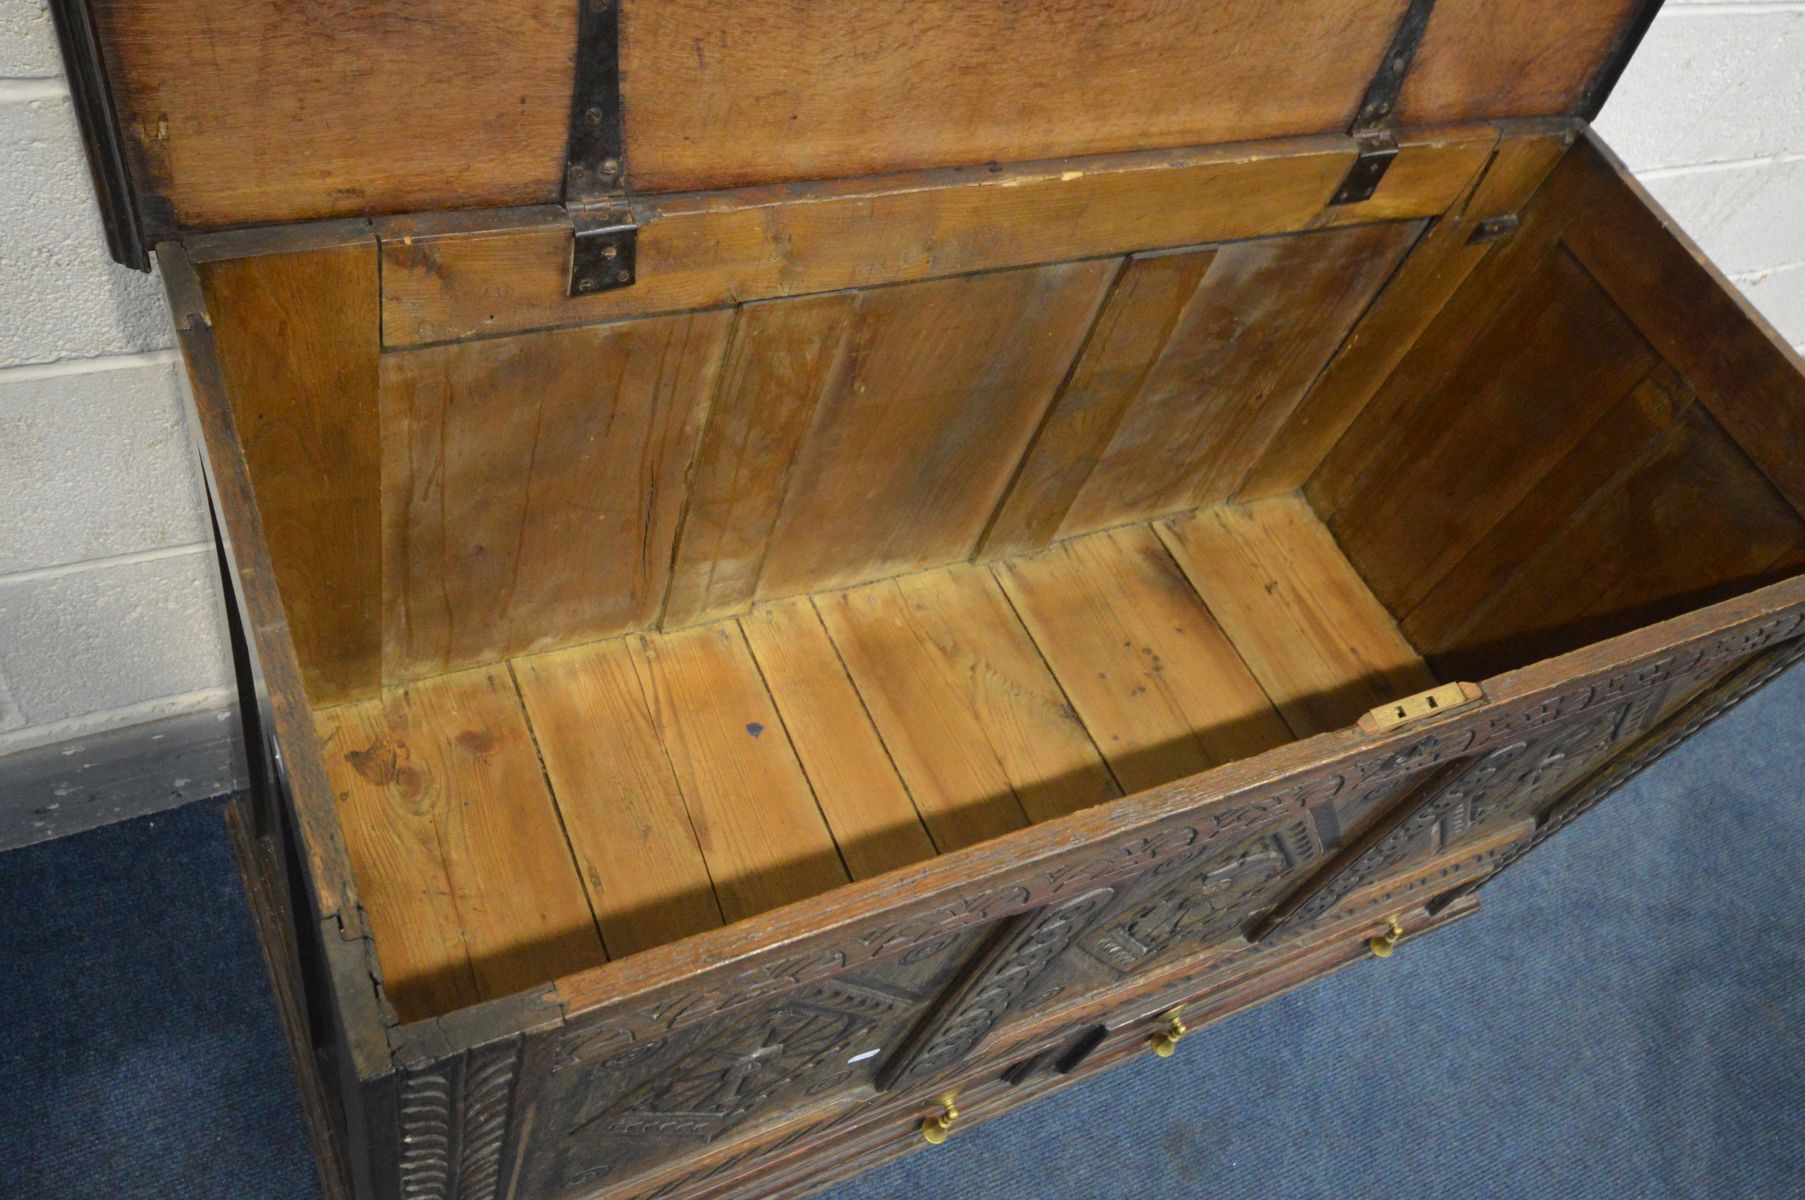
(935, 1129)
(1166, 1040)
(1386, 942)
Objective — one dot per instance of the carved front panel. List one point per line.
(1519, 777)
(1205, 898)
(1013, 963)
(629, 1091)
(609, 1113)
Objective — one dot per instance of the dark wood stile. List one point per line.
(333, 1013)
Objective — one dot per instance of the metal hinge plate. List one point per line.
(604, 236)
(604, 248)
(1379, 107)
(1362, 179)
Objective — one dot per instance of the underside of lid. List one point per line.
(211, 114)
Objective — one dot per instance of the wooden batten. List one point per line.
(464, 275)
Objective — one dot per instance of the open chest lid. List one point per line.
(208, 114)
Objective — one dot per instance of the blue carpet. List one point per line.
(1625, 1019)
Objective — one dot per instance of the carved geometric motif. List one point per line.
(1729, 689)
(1198, 908)
(1513, 780)
(648, 1103)
(1000, 977)
(731, 1074)
(1508, 781)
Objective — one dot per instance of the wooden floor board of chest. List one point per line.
(929, 583)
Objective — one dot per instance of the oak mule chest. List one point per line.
(806, 574)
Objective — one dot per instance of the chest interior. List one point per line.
(621, 630)
(774, 445)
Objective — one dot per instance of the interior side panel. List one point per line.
(1556, 461)
(298, 342)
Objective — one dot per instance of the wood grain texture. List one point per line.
(976, 723)
(1684, 522)
(464, 872)
(755, 818)
(1157, 684)
(1324, 649)
(249, 111)
(1430, 274)
(635, 995)
(239, 113)
(298, 339)
(1615, 439)
(1439, 350)
(783, 356)
(867, 808)
(1136, 322)
(1554, 357)
(532, 485)
(452, 276)
(1264, 318)
(623, 812)
(760, 90)
(914, 442)
(1750, 379)
(1524, 58)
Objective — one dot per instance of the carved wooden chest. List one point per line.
(806, 574)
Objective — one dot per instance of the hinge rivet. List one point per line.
(610, 166)
(610, 251)
(593, 116)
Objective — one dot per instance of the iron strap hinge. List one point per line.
(604, 235)
(1372, 127)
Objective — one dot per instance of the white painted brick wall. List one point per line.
(107, 612)
(1711, 117)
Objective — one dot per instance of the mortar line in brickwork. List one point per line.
(59, 368)
(21, 91)
(1784, 158)
(39, 574)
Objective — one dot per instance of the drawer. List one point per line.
(763, 598)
